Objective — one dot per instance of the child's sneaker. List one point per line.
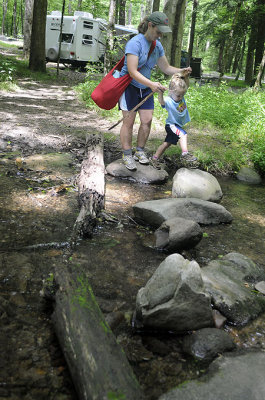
(188, 157)
(129, 162)
(155, 163)
(141, 157)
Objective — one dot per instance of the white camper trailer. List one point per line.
(83, 38)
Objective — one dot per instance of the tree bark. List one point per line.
(37, 60)
(110, 37)
(249, 71)
(14, 30)
(257, 84)
(156, 5)
(27, 27)
(175, 10)
(91, 189)
(5, 4)
(192, 27)
(260, 35)
(98, 366)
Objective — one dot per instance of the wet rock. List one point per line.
(155, 212)
(207, 343)
(174, 298)
(178, 234)
(143, 174)
(233, 376)
(230, 283)
(248, 175)
(196, 184)
(114, 319)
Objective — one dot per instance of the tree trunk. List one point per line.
(37, 60)
(257, 84)
(14, 19)
(70, 7)
(240, 62)
(175, 10)
(129, 18)
(192, 27)
(60, 38)
(122, 15)
(148, 7)
(79, 5)
(91, 189)
(5, 4)
(220, 61)
(27, 27)
(110, 37)
(156, 5)
(98, 366)
(260, 35)
(249, 71)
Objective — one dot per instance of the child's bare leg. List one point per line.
(161, 149)
(183, 142)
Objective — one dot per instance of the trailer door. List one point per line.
(88, 40)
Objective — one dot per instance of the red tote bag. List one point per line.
(106, 95)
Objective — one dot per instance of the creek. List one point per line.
(118, 261)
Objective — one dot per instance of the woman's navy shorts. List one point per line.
(133, 96)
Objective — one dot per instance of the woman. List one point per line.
(139, 64)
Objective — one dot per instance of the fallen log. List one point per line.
(98, 366)
(91, 188)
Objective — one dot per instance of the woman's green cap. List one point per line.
(160, 20)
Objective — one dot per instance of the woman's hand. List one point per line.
(157, 87)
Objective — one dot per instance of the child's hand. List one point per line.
(188, 70)
(157, 87)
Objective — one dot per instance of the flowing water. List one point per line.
(118, 261)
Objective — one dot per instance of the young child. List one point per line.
(178, 116)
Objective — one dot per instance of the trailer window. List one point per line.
(67, 37)
(87, 39)
(88, 25)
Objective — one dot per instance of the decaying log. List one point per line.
(98, 366)
(91, 188)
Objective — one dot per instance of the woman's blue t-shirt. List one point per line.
(140, 46)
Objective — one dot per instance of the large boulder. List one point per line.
(174, 298)
(178, 234)
(230, 282)
(196, 184)
(155, 212)
(232, 377)
(143, 174)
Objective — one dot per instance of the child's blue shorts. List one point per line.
(174, 132)
(133, 96)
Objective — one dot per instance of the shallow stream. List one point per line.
(118, 261)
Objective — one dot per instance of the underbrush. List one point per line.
(238, 118)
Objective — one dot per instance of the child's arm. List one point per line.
(161, 98)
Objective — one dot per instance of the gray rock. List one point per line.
(208, 343)
(174, 298)
(143, 174)
(248, 175)
(178, 234)
(260, 286)
(155, 212)
(231, 377)
(196, 184)
(230, 283)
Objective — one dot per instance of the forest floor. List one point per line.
(42, 144)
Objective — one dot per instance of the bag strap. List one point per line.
(153, 45)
